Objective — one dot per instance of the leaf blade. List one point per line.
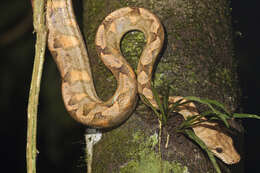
(239, 115)
(196, 139)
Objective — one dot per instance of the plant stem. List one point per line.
(40, 46)
(92, 136)
(89, 153)
(159, 144)
(167, 140)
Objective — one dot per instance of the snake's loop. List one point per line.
(69, 52)
(67, 47)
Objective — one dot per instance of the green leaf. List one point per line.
(198, 122)
(237, 115)
(217, 116)
(177, 104)
(159, 103)
(218, 104)
(196, 118)
(189, 118)
(196, 139)
(166, 101)
(193, 118)
(192, 121)
(185, 124)
(221, 116)
(157, 98)
(197, 99)
(207, 113)
(147, 102)
(189, 122)
(174, 105)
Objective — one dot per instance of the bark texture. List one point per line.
(197, 60)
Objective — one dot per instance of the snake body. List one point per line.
(67, 47)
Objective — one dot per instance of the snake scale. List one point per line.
(67, 47)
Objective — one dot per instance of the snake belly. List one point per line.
(67, 47)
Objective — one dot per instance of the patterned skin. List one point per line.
(67, 47)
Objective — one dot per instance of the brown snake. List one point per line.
(69, 52)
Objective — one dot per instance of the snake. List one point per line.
(69, 52)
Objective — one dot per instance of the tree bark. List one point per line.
(197, 60)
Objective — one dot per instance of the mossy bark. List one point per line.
(197, 60)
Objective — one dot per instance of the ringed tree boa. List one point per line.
(67, 47)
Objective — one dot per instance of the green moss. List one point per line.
(147, 160)
(114, 150)
(135, 152)
(132, 46)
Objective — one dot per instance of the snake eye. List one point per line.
(219, 150)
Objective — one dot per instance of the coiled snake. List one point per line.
(69, 52)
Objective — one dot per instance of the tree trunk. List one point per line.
(197, 60)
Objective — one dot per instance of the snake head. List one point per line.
(218, 142)
(225, 150)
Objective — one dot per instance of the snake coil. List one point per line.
(67, 47)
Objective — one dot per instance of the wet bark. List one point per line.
(197, 60)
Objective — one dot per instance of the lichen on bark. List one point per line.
(146, 160)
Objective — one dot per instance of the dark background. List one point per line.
(60, 139)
